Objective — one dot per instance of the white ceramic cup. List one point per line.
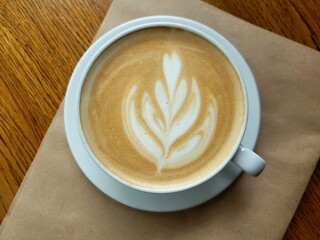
(160, 199)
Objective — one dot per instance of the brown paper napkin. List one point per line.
(56, 201)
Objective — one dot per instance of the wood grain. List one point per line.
(41, 42)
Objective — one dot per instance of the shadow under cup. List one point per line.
(115, 100)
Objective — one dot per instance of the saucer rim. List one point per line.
(162, 202)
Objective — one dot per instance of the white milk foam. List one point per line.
(180, 105)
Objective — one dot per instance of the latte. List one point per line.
(162, 108)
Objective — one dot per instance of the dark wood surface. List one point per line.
(41, 42)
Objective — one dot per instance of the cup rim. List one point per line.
(186, 24)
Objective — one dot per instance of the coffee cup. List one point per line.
(161, 108)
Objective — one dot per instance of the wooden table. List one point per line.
(41, 42)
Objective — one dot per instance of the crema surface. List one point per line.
(162, 108)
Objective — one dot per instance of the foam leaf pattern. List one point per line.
(156, 127)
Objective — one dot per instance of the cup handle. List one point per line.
(248, 161)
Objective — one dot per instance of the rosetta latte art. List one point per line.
(155, 122)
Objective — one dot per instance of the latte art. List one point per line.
(172, 115)
(161, 108)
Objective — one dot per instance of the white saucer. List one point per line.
(162, 202)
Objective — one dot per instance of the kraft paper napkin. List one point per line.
(56, 201)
